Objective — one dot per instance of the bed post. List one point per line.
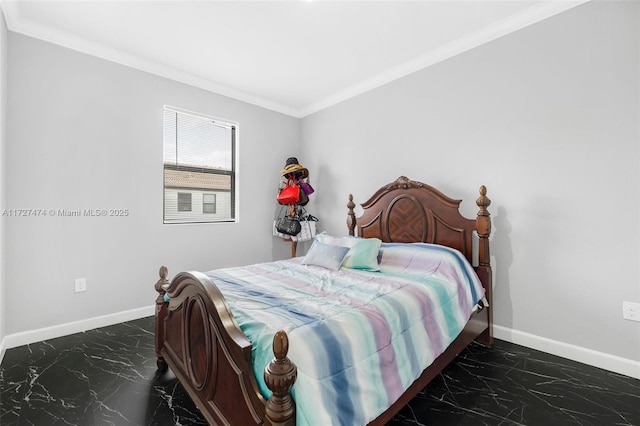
(161, 312)
(279, 376)
(483, 226)
(351, 220)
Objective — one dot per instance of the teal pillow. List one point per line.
(325, 255)
(363, 255)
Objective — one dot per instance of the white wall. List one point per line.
(3, 109)
(85, 133)
(548, 119)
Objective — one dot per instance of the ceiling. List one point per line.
(296, 57)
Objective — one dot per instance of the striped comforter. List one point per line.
(359, 338)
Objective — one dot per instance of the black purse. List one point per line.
(288, 225)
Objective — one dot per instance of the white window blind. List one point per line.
(199, 168)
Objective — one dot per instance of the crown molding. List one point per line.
(492, 32)
(534, 14)
(17, 24)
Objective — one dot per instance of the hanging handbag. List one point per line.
(304, 199)
(290, 194)
(307, 231)
(306, 187)
(288, 225)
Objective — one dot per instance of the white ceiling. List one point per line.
(295, 57)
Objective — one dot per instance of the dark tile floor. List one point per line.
(108, 376)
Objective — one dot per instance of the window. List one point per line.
(184, 201)
(199, 168)
(209, 203)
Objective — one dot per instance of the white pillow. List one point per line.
(325, 255)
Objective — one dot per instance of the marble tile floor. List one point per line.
(108, 376)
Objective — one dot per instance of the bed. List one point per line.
(204, 320)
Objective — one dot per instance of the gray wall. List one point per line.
(85, 133)
(547, 119)
(3, 138)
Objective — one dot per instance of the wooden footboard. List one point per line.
(197, 337)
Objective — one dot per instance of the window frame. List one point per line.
(198, 193)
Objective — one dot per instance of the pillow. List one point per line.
(363, 252)
(363, 255)
(325, 255)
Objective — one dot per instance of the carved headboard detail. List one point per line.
(408, 211)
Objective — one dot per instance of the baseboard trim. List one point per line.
(33, 336)
(597, 359)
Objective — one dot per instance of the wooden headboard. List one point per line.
(408, 211)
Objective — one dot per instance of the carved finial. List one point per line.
(483, 227)
(404, 182)
(163, 282)
(279, 376)
(483, 201)
(351, 215)
(280, 346)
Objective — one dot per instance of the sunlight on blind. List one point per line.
(199, 166)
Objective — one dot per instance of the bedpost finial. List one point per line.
(483, 201)
(163, 282)
(279, 376)
(351, 205)
(351, 215)
(483, 227)
(280, 345)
